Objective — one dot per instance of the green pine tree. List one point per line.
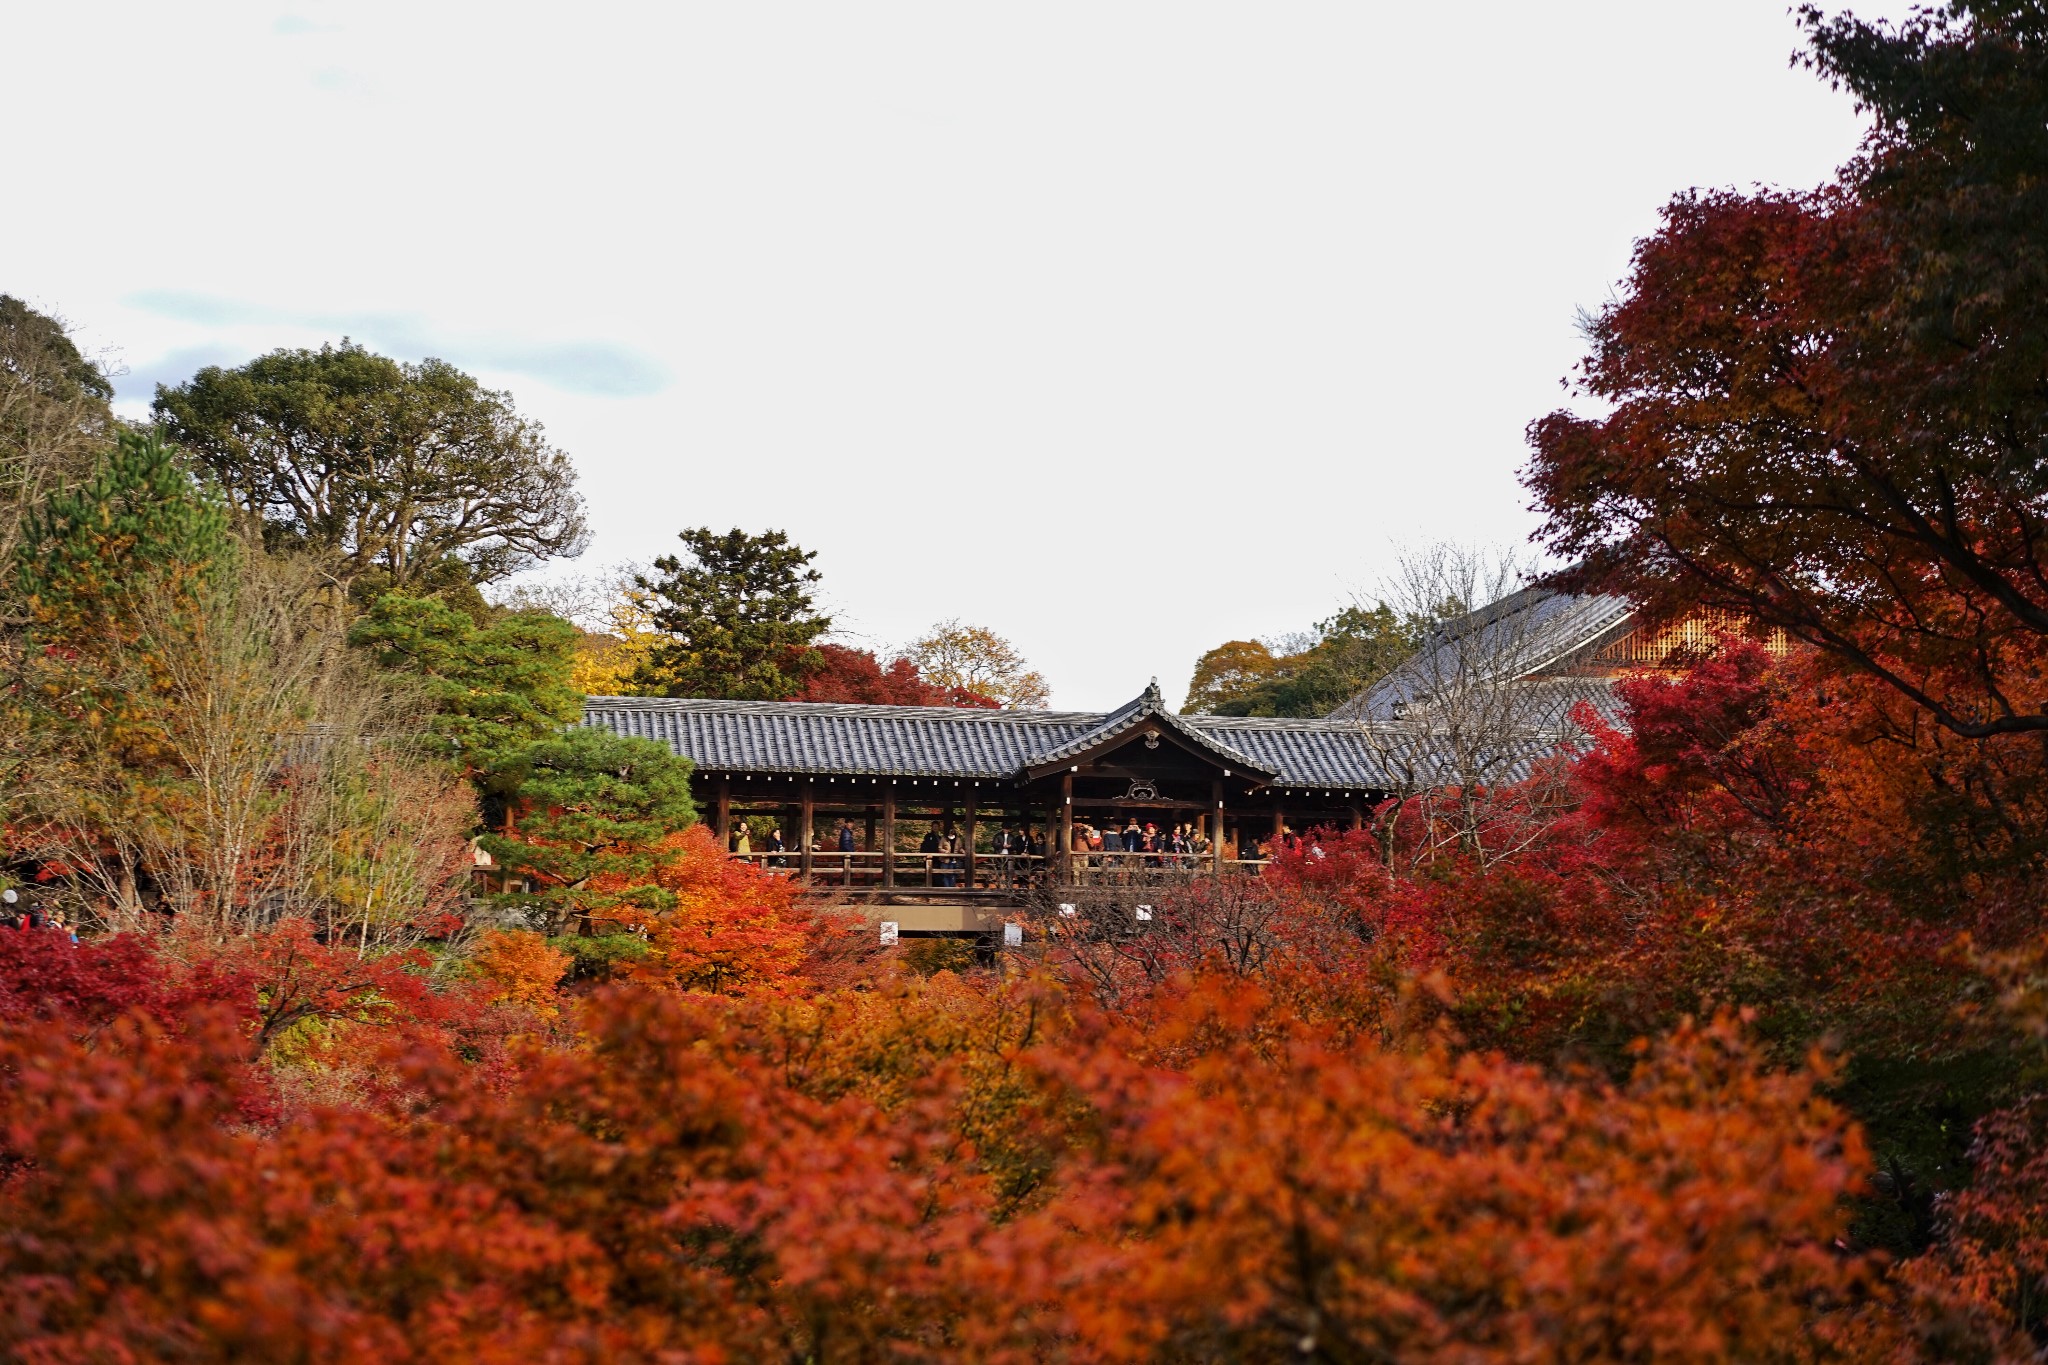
(738, 618)
(139, 526)
(594, 809)
(496, 687)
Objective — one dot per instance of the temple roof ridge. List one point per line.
(1149, 705)
(877, 740)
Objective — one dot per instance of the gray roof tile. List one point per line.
(937, 741)
(1519, 636)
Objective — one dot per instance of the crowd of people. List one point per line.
(1172, 847)
(29, 917)
(1128, 844)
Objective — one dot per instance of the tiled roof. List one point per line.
(1517, 637)
(1303, 753)
(824, 737)
(937, 741)
(1151, 707)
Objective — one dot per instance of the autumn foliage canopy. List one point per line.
(1740, 1052)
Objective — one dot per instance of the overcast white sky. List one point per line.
(1125, 329)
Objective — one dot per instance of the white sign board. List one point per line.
(1067, 909)
(888, 932)
(1144, 913)
(1013, 935)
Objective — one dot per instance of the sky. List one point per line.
(1125, 329)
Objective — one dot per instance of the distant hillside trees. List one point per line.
(614, 623)
(401, 477)
(1309, 675)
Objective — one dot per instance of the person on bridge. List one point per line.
(846, 839)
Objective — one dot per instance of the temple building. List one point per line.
(859, 794)
(1557, 649)
(884, 772)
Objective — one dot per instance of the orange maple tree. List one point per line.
(729, 927)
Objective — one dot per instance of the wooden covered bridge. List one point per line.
(880, 777)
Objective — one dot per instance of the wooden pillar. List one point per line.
(869, 842)
(1216, 825)
(973, 809)
(1066, 827)
(1357, 817)
(724, 815)
(806, 813)
(1278, 820)
(889, 835)
(1044, 833)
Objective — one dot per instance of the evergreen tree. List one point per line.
(138, 525)
(55, 421)
(412, 478)
(109, 571)
(497, 687)
(738, 616)
(595, 806)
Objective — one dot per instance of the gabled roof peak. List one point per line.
(1147, 705)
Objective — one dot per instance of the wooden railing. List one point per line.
(999, 872)
(910, 871)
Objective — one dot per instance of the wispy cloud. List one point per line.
(598, 368)
(138, 383)
(339, 81)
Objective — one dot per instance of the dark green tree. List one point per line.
(593, 809)
(392, 471)
(1342, 657)
(35, 349)
(496, 687)
(738, 618)
(139, 526)
(55, 421)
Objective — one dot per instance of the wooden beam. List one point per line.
(1066, 826)
(889, 835)
(973, 809)
(806, 813)
(724, 813)
(1216, 825)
